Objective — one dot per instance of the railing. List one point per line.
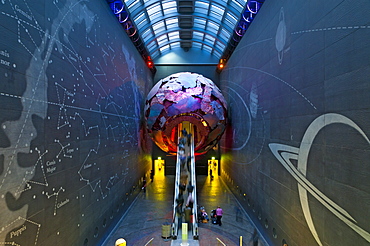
(194, 183)
(190, 180)
(174, 227)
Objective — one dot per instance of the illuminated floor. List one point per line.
(143, 222)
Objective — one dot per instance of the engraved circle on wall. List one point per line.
(243, 109)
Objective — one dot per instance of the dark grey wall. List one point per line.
(297, 149)
(72, 151)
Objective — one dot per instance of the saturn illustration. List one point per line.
(285, 154)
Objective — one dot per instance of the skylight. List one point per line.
(206, 25)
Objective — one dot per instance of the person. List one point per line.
(189, 139)
(184, 132)
(190, 187)
(219, 213)
(151, 175)
(190, 200)
(179, 209)
(182, 157)
(182, 143)
(144, 185)
(182, 187)
(188, 162)
(210, 173)
(188, 215)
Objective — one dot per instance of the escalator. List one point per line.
(185, 199)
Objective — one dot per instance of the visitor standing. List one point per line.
(219, 213)
(144, 185)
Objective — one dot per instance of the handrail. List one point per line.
(192, 179)
(194, 183)
(174, 226)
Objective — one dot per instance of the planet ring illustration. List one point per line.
(285, 154)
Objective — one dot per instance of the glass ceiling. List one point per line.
(212, 23)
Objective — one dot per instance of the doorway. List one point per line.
(212, 167)
(159, 166)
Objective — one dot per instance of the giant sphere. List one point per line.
(185, 97)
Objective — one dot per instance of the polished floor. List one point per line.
(143, 223)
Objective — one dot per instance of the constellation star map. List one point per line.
(71, 104)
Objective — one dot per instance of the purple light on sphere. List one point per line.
(185, 97)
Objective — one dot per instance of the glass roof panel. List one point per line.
(142, 23)
(220, 46)
(158, 27)
(216, 53)
(225, 34)
(217, 12)
(147, 34)
(169, 7)
(175, 45)
(210, 39)
(197, 45)
(158, 23)
(207, 48)
(201, 5)
(172, 23)
(173, 36)
(212, 26)
(162, 42)
(199, 22)
(238, 5)
(152, 45)
(131, 3)
(169, 4)
(163, 48)
(198, 35)
(162, 38)
(155, 53)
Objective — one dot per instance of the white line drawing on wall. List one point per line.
(280, 37)
(244, 107)
(285, 153)
(42, 44)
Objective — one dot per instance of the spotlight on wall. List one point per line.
(149, 62)
(120, 11)
(221, 64)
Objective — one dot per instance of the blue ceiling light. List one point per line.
(119, 10)
(247, 16)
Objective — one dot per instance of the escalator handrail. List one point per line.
(194, 183)
(177, 182)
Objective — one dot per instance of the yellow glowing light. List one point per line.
(159, 158)
(213, 158)
(121, 242)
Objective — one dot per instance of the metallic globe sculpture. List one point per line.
(185, 98)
